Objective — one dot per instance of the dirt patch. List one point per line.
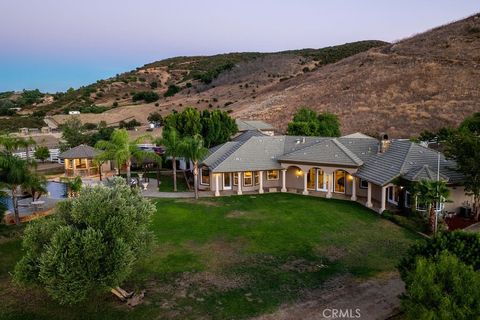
(375, 298)
(226, 252)
(333, 253)
(302, 265)
(237, 214)
(200, 201)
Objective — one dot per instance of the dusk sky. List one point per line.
(56, 44)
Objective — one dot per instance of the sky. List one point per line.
(57, 44)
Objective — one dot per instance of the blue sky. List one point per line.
(56, 44)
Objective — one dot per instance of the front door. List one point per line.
(227, 181)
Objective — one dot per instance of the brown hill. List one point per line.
(425, 82)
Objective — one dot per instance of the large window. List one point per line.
(393, 194)
(272, 175)
(322, 180)
(235, 179)
(248, 179)
(205, 176)
(363, 184)
(257, 178)
(227, 181)
(423, 207)
(339, 181)
(311, 179)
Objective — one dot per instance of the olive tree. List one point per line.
(89, 245)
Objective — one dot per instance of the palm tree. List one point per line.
(73, 186)
(14, 172)
(193, 150)
(173, 147)
(430, 193)
(35, 185)
(122, 150)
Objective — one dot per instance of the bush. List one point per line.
(89, 245)
(147, 96)
(129, 125)
(115, 104)
(42, 153)
(442, 288)
(171, 91)
(465, 246)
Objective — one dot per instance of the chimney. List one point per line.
(303, 139)
(384, 143)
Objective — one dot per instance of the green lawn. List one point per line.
(232, 257)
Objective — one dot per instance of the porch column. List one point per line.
(369, 196)
(217, 185)
(260, 177)
(74, 167)
(305, 177)
(240, 181)
(330, 186)
(383, 201)
(354, 189)
(284, 180)
(87, 167)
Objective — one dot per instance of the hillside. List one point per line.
(424, 82)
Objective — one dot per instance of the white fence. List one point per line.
(53, 155)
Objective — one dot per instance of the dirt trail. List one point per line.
(375, 299)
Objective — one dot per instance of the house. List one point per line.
(356, 167)
(79, 162)
(254, 125)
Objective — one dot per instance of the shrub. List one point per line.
(153, 85)
(465, 246)
(89, 245)
(147, 96)
(442, 288)
(171, 91)
(42, 153)
(115, 104)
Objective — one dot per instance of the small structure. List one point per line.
(255, 125)
(74, 112)
(79, 162)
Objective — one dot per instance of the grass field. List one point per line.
(231, 257)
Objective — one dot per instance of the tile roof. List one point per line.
(81, 151)
(245, 125)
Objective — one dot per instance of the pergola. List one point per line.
(79, 161)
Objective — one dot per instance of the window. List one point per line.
(424, 207)
(363, 184)
(311, 179)
(205, 176)
(247, 179)
(227, 181)
(235, 179)
(257, 178)
(392, 194)
(272, 175)
(339, 181)
(322, 180)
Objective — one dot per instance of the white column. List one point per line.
(305, 177)
(354, 189)
(384, 198)
(330, 185)
(260, 177)
(217, 185)
(284, 180)
(240, 181)
(369, 196)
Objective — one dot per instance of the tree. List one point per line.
(307, 123)
(73, 132)
(194, 151)
(173, 145)
(442, 288)
(35, 185)
(464, 148)
(155, 118)
(122, 150)
(42, 153)
(147, 96)
(14, 172)
(89, 245)
(187, 123)
(430, 193)
(171, 91)
(217, 127)
(74, 185)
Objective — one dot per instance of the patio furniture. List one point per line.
(37, 204)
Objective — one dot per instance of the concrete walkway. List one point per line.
(152, 192)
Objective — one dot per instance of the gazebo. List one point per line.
(79, 161)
